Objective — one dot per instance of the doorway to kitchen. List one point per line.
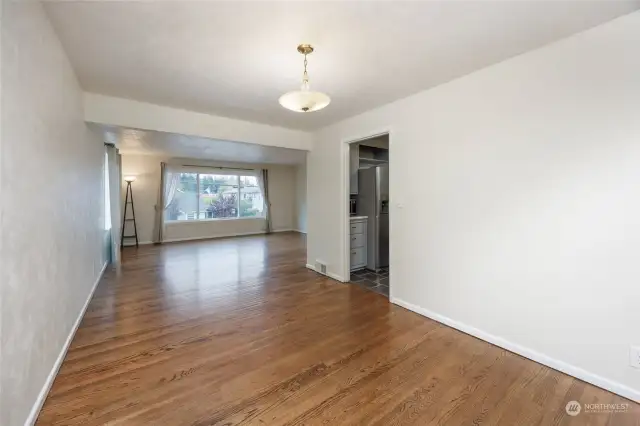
(367, 222)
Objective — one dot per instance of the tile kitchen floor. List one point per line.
(377, 282)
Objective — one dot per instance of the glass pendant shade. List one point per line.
(304, 100)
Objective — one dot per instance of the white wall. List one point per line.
(141, 115)
(301, 198)
(145, 193)
(521, 192)
(52, 216)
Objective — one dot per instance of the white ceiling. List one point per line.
(235, 58)
(143, 142)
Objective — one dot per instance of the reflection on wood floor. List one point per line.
(238, 331)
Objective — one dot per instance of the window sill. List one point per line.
(222, 219)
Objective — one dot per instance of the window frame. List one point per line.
(238, 174)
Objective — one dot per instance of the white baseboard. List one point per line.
(42, 396)
(337, 277)
(140, 243)
(531, 354)
(299, 231)
(212, 237)
(328, 274)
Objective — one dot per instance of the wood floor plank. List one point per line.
(238, 332)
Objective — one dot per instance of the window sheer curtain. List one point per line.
(263, 183)
(169, 178)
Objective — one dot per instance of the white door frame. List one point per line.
(346, 247)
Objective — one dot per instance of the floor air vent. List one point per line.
(321, 267)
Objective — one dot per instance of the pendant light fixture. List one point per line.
(304, 100)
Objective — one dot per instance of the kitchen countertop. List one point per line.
(358, 217)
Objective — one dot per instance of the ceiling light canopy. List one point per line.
(304, 100)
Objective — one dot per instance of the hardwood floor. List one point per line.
(238, 331)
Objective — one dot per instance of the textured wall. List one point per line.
(145, 192)
(142, 115)
(301, 198)
(51, 218)
(514, 200)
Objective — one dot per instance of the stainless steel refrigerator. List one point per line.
(373, 202)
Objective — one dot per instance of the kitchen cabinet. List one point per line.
(354, 164)
(358, 242)
(371, 155)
